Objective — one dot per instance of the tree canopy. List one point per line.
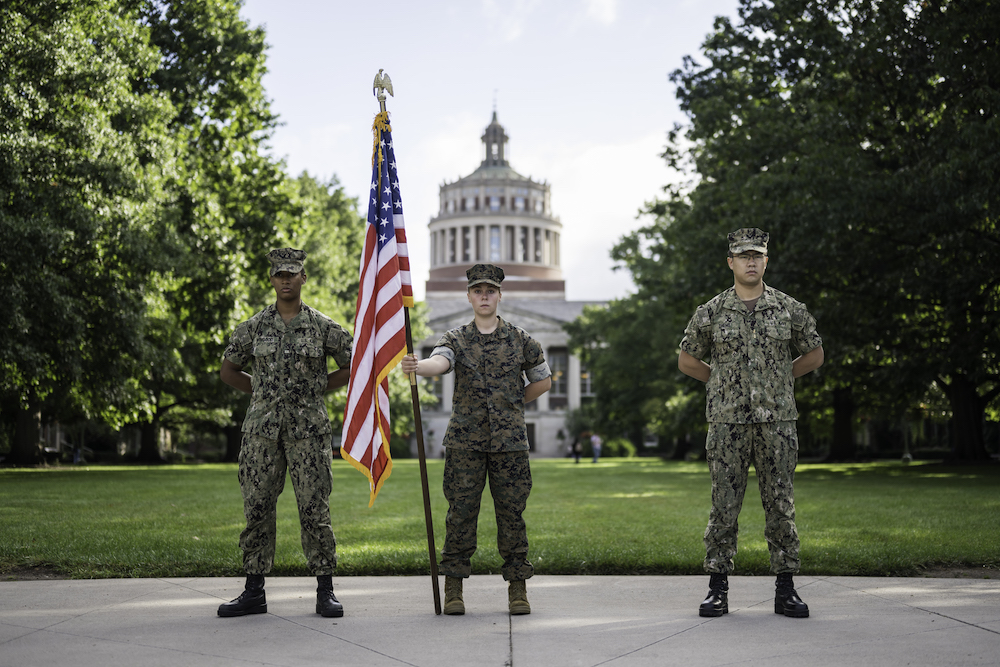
(138, 198)
(863, 135)
(83, 156)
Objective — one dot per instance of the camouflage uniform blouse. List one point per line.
(488, 405)
(289, 370)
(751, 379)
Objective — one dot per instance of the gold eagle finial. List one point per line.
(382, 82)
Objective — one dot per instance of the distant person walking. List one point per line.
(759, 340)
(286, 428)
(486, 436)
(595, 444)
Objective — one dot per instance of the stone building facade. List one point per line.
(495, 215)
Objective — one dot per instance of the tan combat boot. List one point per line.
(453, 603)
(517, 597)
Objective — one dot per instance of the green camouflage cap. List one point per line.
(484, 273)
(748, 238)
(286, 259)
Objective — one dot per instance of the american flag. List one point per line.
(379, 329)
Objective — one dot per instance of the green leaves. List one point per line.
(137, 202)
(864, 137)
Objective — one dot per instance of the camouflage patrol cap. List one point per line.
(484, 273)
(286, 259)
(748, 238)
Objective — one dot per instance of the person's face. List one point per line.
(748, 267)
(484, 299)
(288, 286)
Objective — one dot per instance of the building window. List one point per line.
(511, 246)
(558, 358)
(494, 203)
(495, 248)
(451, 246)
(465, 244)
(523, 254)
(586, 384)
(538, 245)
(518, 203)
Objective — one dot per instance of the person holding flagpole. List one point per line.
(498, 368)
(286, 428)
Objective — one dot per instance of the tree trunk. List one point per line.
(843, 447)
(681, 448)
(968, 411)
(26, 449)
(149, 442)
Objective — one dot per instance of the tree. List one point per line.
(864, 136)
(81, 160)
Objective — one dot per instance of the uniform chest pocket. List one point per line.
(308, 348)
(472, 364)
(778, 329)
(726, 343)
(265, 347)
(511, 369)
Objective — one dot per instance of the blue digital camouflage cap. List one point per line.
(484, 273)
(286, 259)
(748, 238)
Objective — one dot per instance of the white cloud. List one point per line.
(602, 11)
(507, 19)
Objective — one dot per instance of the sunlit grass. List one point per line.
(636, 516)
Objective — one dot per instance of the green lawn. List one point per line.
(621, 516)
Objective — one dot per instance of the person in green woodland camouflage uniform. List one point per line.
(286, 428)
(486, 435)
(749, 332)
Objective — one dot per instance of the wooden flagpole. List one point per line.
(381, 85)
(418, 427)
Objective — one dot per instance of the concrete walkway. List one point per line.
(617, 621)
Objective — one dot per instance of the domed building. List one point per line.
(495, 215)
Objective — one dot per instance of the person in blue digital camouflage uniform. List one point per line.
(498, 368)
(759, 340)
(286, 428)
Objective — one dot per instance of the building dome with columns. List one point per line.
(497, 216)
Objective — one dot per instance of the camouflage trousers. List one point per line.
(774, 450)
(465, 474)
(263, 463)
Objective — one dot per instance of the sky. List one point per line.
(581, 87)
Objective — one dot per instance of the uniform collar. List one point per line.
(502, 330)
(733, 302)
(271, 311)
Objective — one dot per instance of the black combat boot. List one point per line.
(786, 600)
(250, 601)
(717, 602)
(327, 604)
